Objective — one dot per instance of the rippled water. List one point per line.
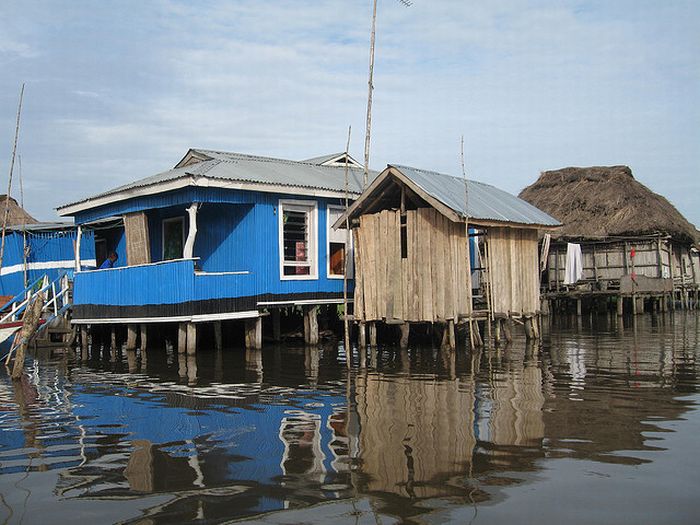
(598, 425)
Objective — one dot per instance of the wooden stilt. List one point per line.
(578, 307)
(113, 338)
(191, 329)
(181, 338)
(445, 339)
(405, 332)
(620, 306)
(373, 334)
(218, 339)
(478, 341)
(275, 313)
(144, 338)
(311, 325)
(30, 320)
(131, 337)
(452, 336)
(253, 333)
(497, 331)
(362, 335)
(529, 332)
(85, 354)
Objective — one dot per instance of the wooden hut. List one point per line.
(412, 257)
(220, 237)
(634, 244)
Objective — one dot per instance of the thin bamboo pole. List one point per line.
(346, 324)
(9, 182)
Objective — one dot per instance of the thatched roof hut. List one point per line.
(605, 201)
(17, 216)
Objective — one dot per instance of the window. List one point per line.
(298, 240)
(336, 245)
(173, 238)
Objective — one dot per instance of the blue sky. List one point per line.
(120, 90)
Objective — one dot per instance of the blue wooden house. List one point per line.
(220, 236)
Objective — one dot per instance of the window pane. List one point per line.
(172, 240)
(337, 258)
(295, 235)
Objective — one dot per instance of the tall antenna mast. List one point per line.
(370, 87)
(9, 183)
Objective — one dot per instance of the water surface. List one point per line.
(599, 424)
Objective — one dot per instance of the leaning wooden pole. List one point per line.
(346, 324)
(31, 318)
(9, 182)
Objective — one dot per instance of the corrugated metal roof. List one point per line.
(255, 169)
(42, 226)
(323, 158)
(485, 202)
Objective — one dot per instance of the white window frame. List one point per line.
(348, 250)
(162, 236)
(306, 206)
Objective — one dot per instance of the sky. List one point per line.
(119, 90)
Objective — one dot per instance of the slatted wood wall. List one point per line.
(138, 246)
(514, 271)
(429, 285)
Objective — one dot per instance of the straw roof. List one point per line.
(16, 216)
(605, 201)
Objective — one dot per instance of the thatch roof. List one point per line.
(605, 201)
(16, 216)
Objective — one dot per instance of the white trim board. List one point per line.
(47, 265)
(248, 314)
(202, 182)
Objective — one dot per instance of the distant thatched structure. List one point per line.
(17, 216)
(606, 201)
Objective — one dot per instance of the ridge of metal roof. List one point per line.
(483, 201)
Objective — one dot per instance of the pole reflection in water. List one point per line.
(594, 419)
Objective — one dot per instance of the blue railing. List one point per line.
(167, 282)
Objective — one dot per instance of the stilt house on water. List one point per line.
(622, 240)
(220, 236)
(412, 256)
(34, 249)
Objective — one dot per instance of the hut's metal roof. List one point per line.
(484, 202)
(238, 167)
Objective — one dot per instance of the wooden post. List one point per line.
(405, 332)
(452, 336)
(181, 338)
(276, 325)
(85, 355)
(508, 330)
(131, 337)
(311, 325)
(362, 335)
(445, 339)
(373, 334)
(30, 323)
(529, 331)
(218, 339)
(620, 306)
(578, 307)
(497, 331)
(191, 329)
(144, 337)
(113, 338)
(253, 333)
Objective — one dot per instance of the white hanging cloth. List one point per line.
(574, 263)
(544, 253)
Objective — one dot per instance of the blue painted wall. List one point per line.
(53, 247)
(237, 231)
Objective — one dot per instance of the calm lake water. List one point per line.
(598, 425)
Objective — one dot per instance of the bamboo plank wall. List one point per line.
(138, 245)
(429, 285)
(514, 271)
